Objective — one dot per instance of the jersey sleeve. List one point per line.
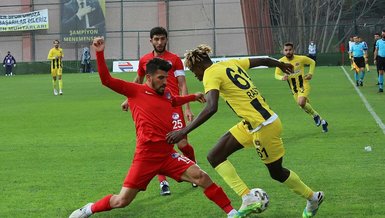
(244, 63)
(141, 68)
(212, 80)
(50, 55)
(120, 86)
(309, 61)
(181, 100)
(179, 68)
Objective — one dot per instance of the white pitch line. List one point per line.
(366, 103)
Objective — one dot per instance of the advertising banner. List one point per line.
(82, 20)
(34, 20)
(132, 66)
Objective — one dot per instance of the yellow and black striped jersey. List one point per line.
(56, 62)
(296, 80)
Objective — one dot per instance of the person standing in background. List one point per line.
(55, 55)
(379, 60)
(357, 55)
(9, 62)
(365, 45)
(86, 60)
(350, 44)
(377, 36)
(299, 82)
(312, 51)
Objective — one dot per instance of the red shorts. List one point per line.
(143, 170)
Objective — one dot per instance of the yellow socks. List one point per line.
(309, 109)
(60, 84)
(227, 171)
(297, 186)
(54, 84)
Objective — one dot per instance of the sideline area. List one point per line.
(366, 103)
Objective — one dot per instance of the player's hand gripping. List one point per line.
(175, 136)
(199, 96)
(308, 76)
(98, 44)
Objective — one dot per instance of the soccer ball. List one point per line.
(262, 195)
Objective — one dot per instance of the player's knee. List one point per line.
(279, 175)
(214, 159)
(201, 178)
(302, 104)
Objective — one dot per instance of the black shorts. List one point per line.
(380, 63)
(360, 62)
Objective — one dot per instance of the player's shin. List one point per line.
(227, 171)
(102, 205)
(297, 186)
(218, 196)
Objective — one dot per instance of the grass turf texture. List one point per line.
(59, 152)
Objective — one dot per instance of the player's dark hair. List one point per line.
(157, 64)
(377, 34)
(56, 40)
(158, 31)
(289, 44)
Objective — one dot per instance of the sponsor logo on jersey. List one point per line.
(175, 116)
(168, 95)
(175, 155)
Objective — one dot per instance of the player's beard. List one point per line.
(289, 55)
(159, 51)
(160, 89)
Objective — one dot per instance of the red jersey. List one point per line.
(152, 113)
(176, 70)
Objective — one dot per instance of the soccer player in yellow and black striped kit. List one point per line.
(56, 55)
(299, 82)
(259, 128)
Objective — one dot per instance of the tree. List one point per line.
(302, 21)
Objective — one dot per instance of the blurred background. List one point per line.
(230, 27)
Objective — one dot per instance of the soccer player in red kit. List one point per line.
(176, 82)
(151, 105)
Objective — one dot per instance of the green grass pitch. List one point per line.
(58, 153)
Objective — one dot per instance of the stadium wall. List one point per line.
(43, 67)
(190, 23)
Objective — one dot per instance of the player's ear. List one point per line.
(148, 77)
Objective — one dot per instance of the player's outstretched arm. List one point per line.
(181, 100)
(211, 108)
(120, 86)
(270, 62)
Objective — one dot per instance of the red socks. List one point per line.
(216, 194)
(188, 151)
(102, 205)
(161, 178)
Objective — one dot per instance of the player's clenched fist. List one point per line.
(98, 44)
